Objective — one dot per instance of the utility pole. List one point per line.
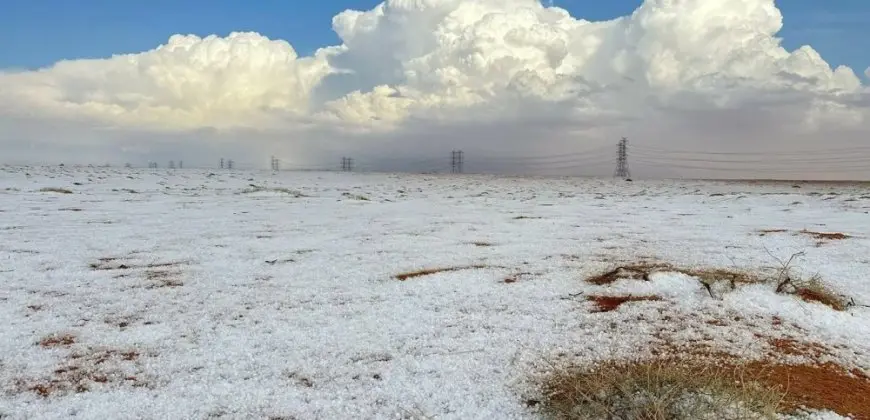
(456, 160)
(622, 160)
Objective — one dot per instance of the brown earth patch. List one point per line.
(611, 303)
(828, 236)
(81, 371)
(162, 278)
(430, 271)
(57, 340)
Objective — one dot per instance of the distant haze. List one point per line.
(702, 88)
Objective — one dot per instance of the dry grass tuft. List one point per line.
(828, 236)
(430, 271)
(642, 271)
(482, 244)
(714, 387)
(610, 303)
(55, 190)
(711, 275)
(657, 390)
(813, 290)
(631, 272)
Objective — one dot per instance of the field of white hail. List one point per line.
(128, 293)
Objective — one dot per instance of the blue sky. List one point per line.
(36, 33)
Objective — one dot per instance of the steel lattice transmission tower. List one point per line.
(346, 164)
(622, 160)
(457, 158)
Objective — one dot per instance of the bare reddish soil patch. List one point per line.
(81, 371)
(828, 236)
(611, 303)
(55, 341)
(826, 386)
(430, 271)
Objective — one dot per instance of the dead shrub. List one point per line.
(657, 390)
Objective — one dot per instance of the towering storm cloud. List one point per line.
(506, 76)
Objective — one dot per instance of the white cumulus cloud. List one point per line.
(496, 68)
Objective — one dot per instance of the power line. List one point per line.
(789, 152)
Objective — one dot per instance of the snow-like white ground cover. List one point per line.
(194, 293)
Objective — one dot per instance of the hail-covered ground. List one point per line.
(251, 294)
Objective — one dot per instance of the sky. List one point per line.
(407, 80)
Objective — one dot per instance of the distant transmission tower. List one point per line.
(456, 160)
(622, 160)
(276, 164)
(222, 163)
(171, 164)
(347, 164)
(230, 164)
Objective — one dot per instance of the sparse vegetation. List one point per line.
(55, 190)
(639, 271)
(657, 390)
(814, 290)
(811, 290)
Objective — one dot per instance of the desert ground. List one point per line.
(137, 293)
